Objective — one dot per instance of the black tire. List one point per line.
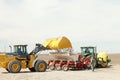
(32, 69)
(14, 66)
(65, 68)
(40, 66)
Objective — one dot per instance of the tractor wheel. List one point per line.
(58, 68)
(103, 65)
(51, 67)
(40, 66)
(14, 66)
(65, 68)
(32, 69)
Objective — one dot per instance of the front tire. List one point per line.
(14, 66)
(40, 66)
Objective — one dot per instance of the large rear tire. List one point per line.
(14, 66)
(40, 66)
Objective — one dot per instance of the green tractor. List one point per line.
(100, 59)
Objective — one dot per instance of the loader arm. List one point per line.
(39, 47)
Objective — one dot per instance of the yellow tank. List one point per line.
(57, 43)
(102, 55)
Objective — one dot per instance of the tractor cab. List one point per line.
(86, 51)
(21, 50)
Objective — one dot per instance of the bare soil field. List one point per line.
(115, 58)
(112, 72)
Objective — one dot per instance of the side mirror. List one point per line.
(10, 48)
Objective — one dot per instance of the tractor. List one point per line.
(100, 59)
(13, 62)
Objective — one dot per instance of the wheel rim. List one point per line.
(52, 67)
(41, 66)
(65, 68)
(58, 68)
(15, 67)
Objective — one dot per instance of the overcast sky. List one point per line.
(84, 22)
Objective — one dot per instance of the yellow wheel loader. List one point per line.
(19, 59)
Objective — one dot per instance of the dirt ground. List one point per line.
(115, 58)
(112, 72)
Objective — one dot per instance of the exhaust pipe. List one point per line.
(10, 48)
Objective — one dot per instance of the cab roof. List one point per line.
(20, 45)
(88, 47)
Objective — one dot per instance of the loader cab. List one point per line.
(21, 50)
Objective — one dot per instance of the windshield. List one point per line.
(87, 50)
(20, 49)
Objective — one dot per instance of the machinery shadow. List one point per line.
(95, 70)
(23, 72)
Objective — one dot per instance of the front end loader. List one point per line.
(19, 59)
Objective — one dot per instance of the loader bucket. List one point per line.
(57, 43)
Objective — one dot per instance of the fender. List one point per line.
(34, 62)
